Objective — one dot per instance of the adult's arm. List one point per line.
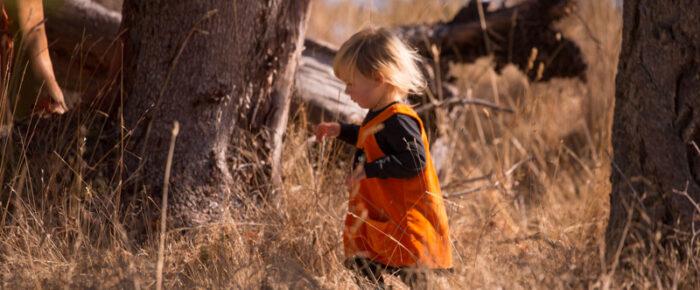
(30, 17)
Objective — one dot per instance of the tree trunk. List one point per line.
(656, 127)
(224, 70)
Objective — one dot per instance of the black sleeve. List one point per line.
(349, 133)
(401, 142)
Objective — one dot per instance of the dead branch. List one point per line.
(528, 25)
(535, 236)
(465, 101)
(468, 191)
(516, 165)
(469, 180)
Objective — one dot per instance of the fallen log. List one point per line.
(510, 35)
(319, 90)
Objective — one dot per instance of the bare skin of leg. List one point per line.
(30, 20)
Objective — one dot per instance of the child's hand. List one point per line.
(355, 177)
(331, 129)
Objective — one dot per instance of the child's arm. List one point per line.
(349, 133)
(345, 132)
(403, 147)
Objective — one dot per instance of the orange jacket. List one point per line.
(397, 221)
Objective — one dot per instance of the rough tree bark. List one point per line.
(224, 70)
(656, 127)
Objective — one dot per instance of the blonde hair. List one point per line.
(377, 50)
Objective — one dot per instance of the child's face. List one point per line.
(366, 92)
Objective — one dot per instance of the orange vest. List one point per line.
(397, 221)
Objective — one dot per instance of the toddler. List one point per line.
(396, 221)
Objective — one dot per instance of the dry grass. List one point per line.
(542, 228)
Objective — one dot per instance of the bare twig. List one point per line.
(629, 183)
(462, 101)
(516, 165)
(511, 34)
(470, 180)
(685, 193)
(628, 223)
(164, 209)
(535, 236)
(580, 162)
(468, 191)
(484, 29)
(317, 177)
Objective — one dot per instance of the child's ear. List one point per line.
(378, 77)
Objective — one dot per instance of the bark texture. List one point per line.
(656, 127)
(224, 70)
